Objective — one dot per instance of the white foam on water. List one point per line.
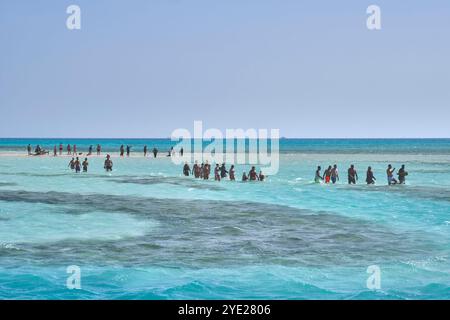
(45, 226)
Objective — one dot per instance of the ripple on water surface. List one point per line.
(132, 231)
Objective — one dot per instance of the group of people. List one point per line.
(71, 150)
(76, 165)
(128, 151)
(331, 175)
(37, 151)
(203, 171)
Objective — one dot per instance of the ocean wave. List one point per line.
(255, 282)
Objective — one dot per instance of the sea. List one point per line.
(145, 231)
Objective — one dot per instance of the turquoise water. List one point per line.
(147, 232)
(410, 146)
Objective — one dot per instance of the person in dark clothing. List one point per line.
(196, 170)
(85, 165)
(402, 173)
(352, 175)
(72, 164)
(253, 176)
(261, 176)
(318, 177)
(77, 165)
(370, 178)
(108, 163)
(186, 169)
(216, 172)
(232, 178)
(223, 171)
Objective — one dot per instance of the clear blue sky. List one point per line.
(142, 68)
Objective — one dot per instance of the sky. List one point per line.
(143, 68)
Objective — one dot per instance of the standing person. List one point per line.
(390, 175)
(99, 149)
(108, 163)
(402, 173)
(206, 170)
(85, 164)
(253, 176)
(216, 172)
(196, 170)
(334, 174)
(122, 150)
(202, 170)
(90, 150)
(69, 150)
(172, 152)
(318, 177)
(186, 169)
(155, 152)
(181, 151)
(75, 149)
(29, 149)
(327, 174)
(128, 150)
(370, 179)
(145, 150)
(60, 149)
(352, 175)
(223, 171)
(55, 152)
(72, 164)
(232, 178)
(77, 165)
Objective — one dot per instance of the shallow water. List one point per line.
(146, 232)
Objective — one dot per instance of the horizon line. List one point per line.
(281, 138)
